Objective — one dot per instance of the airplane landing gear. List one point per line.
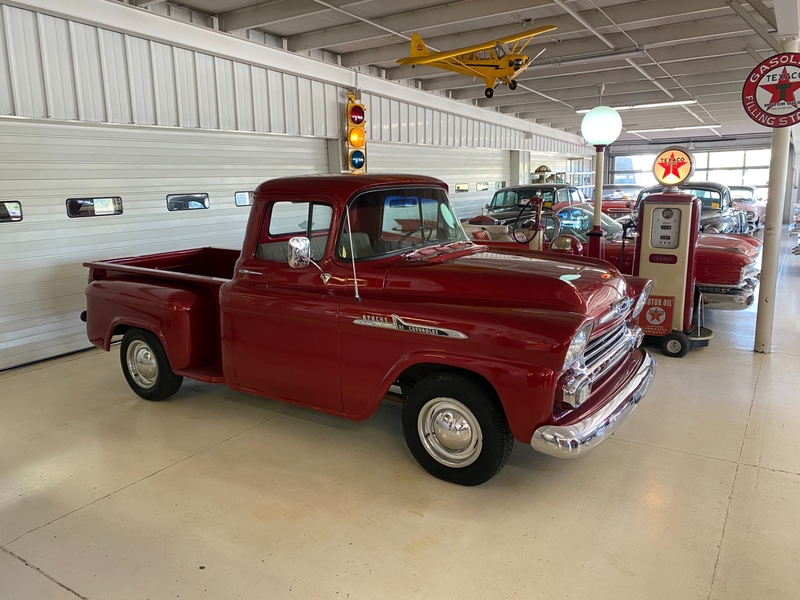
(489, 92)
(513, 85)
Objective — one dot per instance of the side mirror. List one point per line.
(567, 244)
(299, 252)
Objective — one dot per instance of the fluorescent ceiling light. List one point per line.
(672, 128)
(583, 111)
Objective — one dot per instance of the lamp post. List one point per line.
(600, 127)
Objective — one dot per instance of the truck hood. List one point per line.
(521, 279)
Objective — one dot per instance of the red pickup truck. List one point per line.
(349, 288)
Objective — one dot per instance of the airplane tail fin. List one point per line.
(418, 47)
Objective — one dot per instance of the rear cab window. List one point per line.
(287, 219)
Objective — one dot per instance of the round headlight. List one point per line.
(710, 229)
(578, 345)
(641, 301)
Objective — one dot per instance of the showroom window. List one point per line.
(462, 187)
(729, 167)
(10, 211)
(481, 186)
(94, 207)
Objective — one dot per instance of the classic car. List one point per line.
(506, 203)
(718, 213)
(727, 269)
(794, 228)
(745, 197)
(619, 199)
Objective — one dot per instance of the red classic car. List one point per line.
(619, 199)
(727, 264)
(347, 286)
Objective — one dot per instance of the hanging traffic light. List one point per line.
(356, 136)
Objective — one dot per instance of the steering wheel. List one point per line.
(524, 229)
(415, 230)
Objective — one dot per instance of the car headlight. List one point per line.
(751, 214)
(578, 345)
(710, 229)
(641, 301)
(748, 272)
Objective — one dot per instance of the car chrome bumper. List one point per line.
(729, 297)
(570, 441)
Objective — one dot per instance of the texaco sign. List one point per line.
(771, 94)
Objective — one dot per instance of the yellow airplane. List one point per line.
(494, 61)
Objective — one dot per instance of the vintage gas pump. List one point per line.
(668, 226)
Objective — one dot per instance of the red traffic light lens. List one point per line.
(356, 114)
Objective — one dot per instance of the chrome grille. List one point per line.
(597, 347)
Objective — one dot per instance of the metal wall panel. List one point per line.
(244, 97)
(386, 119)
(206, 91)
(260, 99)
(452, 165)
(140, 73)
(88, 77)
(42, 279)
(58, 76)
(115, 76)
(404, 123)
(305, 105)
(186, 88)
(318, 101)
(291, 107)
(6, 107)
(334, 113)
(24, 62)
(226, 94)
(164, 80)
(277, 117)
(394, 121)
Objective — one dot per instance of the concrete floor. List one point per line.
(220, 495)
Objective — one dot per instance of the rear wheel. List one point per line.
(146, 367)
(513, 85)
(456, 429)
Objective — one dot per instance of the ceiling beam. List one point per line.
(266, 14)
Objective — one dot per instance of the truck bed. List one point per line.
(195, 265)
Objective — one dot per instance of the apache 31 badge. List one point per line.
(771, 94)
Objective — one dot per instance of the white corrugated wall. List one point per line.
(42, 164)
(453, 165)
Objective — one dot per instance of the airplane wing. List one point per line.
(439, 56)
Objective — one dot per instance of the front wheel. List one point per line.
(513, 85)
(488, 92)
(146, 367)
(456, 429)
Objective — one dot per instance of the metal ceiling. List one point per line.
(642, 52)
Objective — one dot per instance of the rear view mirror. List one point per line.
(299, 252)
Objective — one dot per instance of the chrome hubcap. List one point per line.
(142, 364)
(450, 432)
(674, 346)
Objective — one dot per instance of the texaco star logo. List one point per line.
(673, 166)
(656, 315)
(771, 94)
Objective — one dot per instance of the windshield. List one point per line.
(391, 221)
(611, 192)
(512, 198)
(745, 195)
(578, 221)
(711, 199)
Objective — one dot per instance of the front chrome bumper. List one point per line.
(729, 297)
(570, 441)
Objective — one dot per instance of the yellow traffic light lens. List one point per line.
(356, 137)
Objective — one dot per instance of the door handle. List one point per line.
(248, 272)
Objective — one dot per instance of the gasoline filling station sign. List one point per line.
(771, 94)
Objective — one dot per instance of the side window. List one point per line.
(93, 207)
(10, 211)
(575, 196)
(726, 203)
(561, 195)
(187, 202)
(288, 219)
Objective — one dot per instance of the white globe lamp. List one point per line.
(600, 127)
